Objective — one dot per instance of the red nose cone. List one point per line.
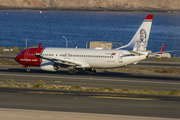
(16, 58)
(19, 57)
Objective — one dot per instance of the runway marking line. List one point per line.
(107, 97)
(122, 98)
(86, 94)
(70, 93)
(95, 79)
(78, 98)
(40, 92)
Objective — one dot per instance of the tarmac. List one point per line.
(22, 114)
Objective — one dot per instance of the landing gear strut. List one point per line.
(72, 70)
(28, 68)
(92, 71)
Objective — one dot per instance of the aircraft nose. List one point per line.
(16, 58)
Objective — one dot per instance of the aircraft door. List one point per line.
(33, 59)
(26, 57)
(26, 54)
(69, 55)
(65, 56)
(120, 57)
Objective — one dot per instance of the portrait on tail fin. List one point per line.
(141, 44)
(140, 40)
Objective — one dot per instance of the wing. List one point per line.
(157, 54)
(58, 61)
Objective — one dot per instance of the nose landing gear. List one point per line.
(28, 68)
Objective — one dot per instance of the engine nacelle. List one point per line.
(49, 66)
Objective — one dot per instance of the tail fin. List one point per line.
(140, 40)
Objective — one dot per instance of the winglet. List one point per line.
(158, 53)
(163, 48)
(38, 50)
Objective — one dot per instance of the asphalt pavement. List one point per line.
(134, 81)
(37, 103)
(90, 102)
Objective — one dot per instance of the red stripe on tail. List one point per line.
(149, 17)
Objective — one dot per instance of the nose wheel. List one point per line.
(28, 69)
(72, 72)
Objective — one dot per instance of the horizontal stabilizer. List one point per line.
(135, 53)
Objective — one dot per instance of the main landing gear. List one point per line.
(92, 71)
(72, 70)
(28, 68)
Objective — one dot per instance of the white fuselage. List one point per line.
(93, 58)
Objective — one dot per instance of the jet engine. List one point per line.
(49, 66)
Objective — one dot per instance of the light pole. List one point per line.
(86, 44)
(66, 41)
(26, 42)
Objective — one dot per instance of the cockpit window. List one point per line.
(20, 53)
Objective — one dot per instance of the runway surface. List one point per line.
(90, 102)
(157, 64)
(101, 79)
(21, 114)
(10, 57)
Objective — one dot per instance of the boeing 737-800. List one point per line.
(51, 59)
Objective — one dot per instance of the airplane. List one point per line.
(51, 58)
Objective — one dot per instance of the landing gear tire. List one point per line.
(92, 72)
(72, 72)
(28, 69)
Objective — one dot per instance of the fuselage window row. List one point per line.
(48, 54)
(95, 56)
